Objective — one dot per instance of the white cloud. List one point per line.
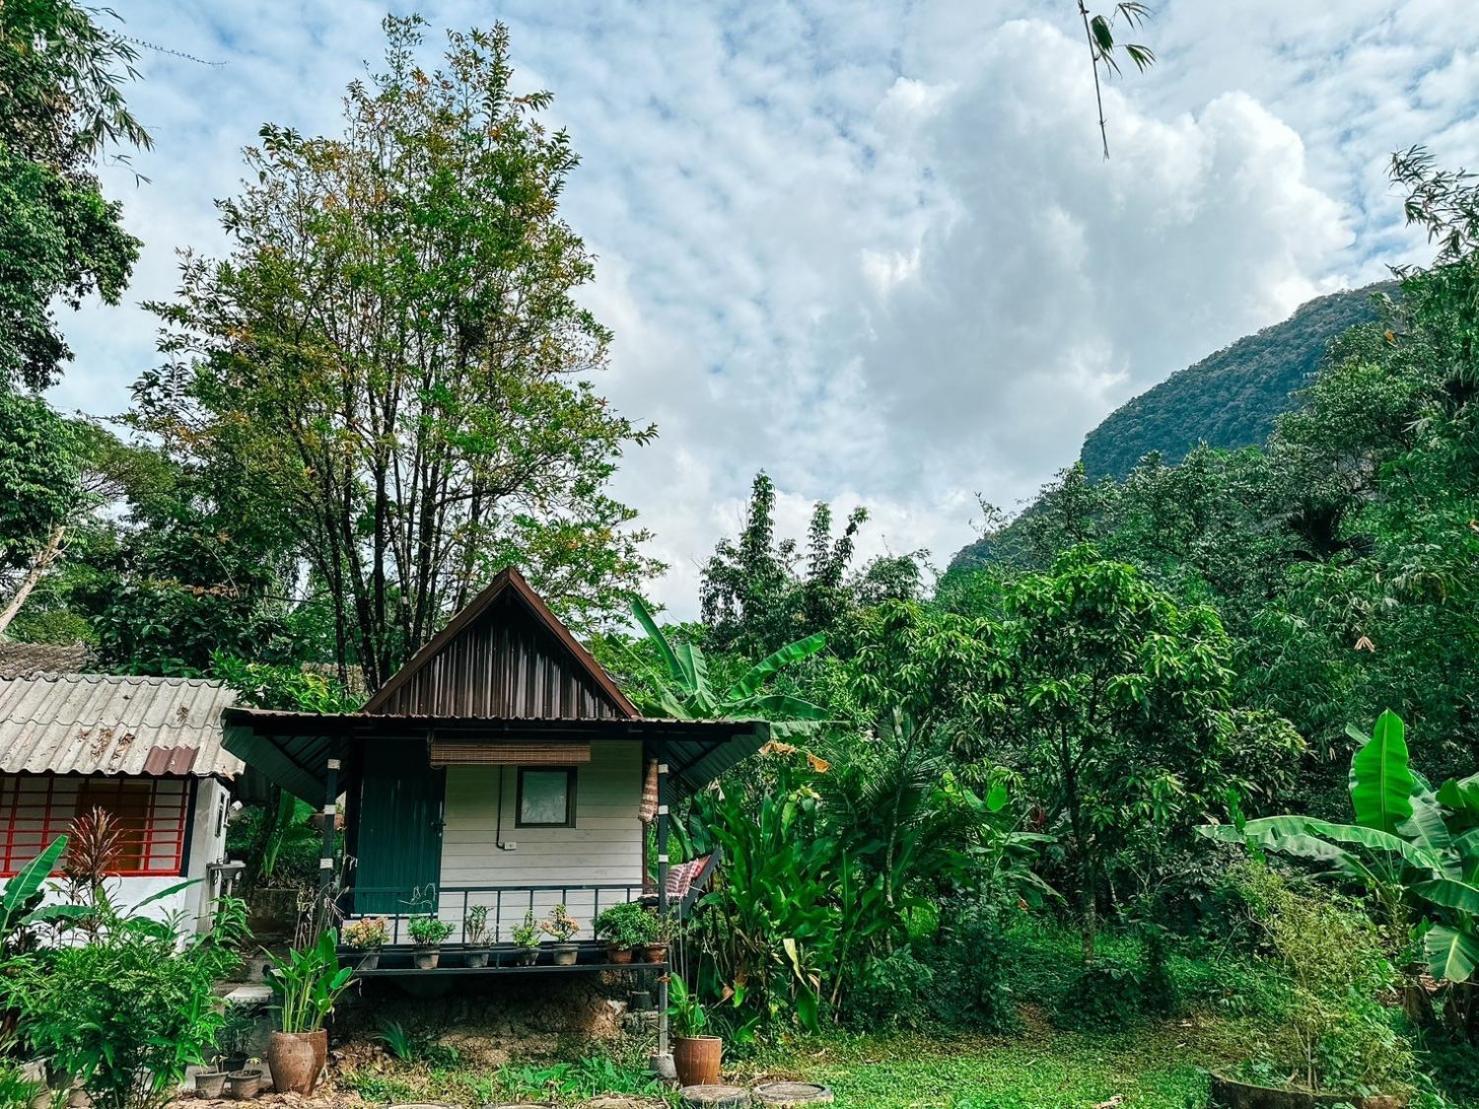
(873, 250)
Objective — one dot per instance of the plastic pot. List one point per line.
(211, 1083)
(477, 959)
(426, 958)
(244, 1084)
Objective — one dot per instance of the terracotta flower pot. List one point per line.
(620, 956)
(655, 953)
(296, 1059)
(696, 1059)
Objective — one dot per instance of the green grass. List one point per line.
(1153, 1068)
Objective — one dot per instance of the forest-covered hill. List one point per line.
(1230, 398)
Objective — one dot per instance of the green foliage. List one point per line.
(368, 381)
(560, 924)
(526, 933)
(629, 924)
(61, 102)
(680, 686)
(428, 931)
(685, 1010)
(758, 593)
(1337, 1033)
(126, 1012)
(1229, 399)
(369, 933)
(41, 457)
(418, 1046)
(972, 968)
(894, 992)
(307, 982)
(23, 893)
(1415, 849)
(585, 1078)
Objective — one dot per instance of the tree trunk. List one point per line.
(39, 565)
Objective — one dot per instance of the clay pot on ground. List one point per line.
(1229, 1093)
(243, 1084)
(211, 1083)
(296, 1059)
(713, 1097)
(696, 1059)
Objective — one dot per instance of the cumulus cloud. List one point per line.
(873, 250)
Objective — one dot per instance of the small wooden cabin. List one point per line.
(502, 767)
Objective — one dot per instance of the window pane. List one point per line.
(545, 797)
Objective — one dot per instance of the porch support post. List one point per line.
(326, 853)
(664, 1055)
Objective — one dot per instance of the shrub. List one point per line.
(126, 1013)
(369, 933)
(428, 931)
(627, 925)
(968, 961)
(891, 992)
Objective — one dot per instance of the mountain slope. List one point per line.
(1231, 398)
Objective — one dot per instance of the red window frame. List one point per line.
(154, 846)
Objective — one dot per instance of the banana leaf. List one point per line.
(754, 677)
(1452, 954)
(1381, 783)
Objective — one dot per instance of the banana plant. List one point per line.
(682, 689)
(1415, 848)
(23, 892)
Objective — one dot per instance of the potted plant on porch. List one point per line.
(660, 939)
(625, 928)
(562, 926)
(427, 933)
(527, 940)
(367, 935)
(308, 982)
(474, 936)
(696, 1057)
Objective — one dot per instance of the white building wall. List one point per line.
(189, 907)
(604, 847)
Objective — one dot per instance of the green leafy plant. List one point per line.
(369, 933)
(561, 925)
(308, 982)
(527, 933)
(681, 689)
(475, 925)
(23, 892)
(685, 1010)
(1416, 849)
(126, 1013)
(628, 924)
(428, 931)
(415, 1047)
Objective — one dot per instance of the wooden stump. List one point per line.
(623, 1103)
(792, 1095)
(713, 1097)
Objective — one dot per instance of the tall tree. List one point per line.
(394, 360)
(60, 239)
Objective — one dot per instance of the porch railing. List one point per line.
(506, 906)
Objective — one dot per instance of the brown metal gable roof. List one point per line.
(472, 655)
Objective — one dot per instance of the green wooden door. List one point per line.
(400, 831)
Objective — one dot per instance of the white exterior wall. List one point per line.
(207, 844)
(604, 847)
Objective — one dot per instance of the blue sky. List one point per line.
(873, 249)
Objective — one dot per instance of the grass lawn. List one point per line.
(1155, 1066)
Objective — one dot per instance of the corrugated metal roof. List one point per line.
(26, 660)
(108, 724)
